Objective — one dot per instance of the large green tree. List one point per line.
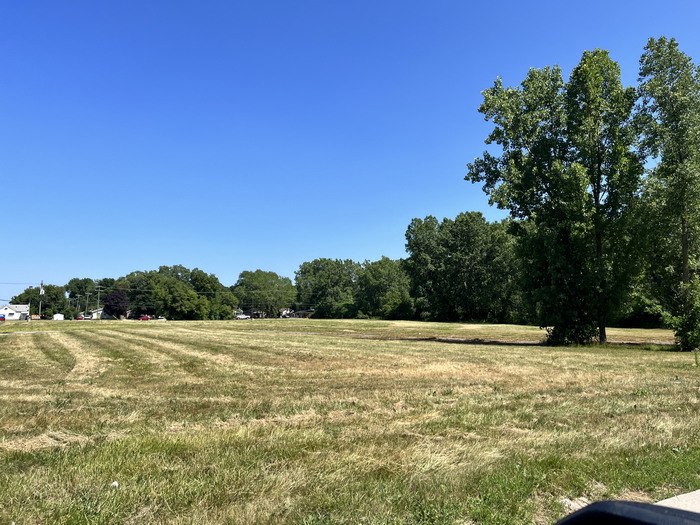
(669, 118)
(82, 293)
(462, 269)
(161, 294)
(215, 299)
(601, 138)
(383, 290)
(568, 176)
(265, 291)
(222, 302)
(328, 286)
(85, 293)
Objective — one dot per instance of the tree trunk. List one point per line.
(602, 335)
(684, 249)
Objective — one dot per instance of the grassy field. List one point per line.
(306, 421)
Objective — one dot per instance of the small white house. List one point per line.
(58, 317)
(15, 312)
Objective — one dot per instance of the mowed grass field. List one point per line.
(302, 421)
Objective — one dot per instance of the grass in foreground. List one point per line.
(309, 421)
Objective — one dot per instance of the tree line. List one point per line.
(602, 185)
(172, 292)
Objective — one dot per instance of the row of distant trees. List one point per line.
(602, 184)
(461, 269)
(173, 292)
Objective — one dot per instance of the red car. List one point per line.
(145, 318)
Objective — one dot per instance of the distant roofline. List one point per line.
(19, 308)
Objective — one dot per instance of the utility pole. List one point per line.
(87, 302)
(41, 293)
(99, 289)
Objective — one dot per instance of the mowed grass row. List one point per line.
(307, 421)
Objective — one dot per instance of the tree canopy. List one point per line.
(569, 176)
(462, 269)
(669, 123)
(328, 286)
(264, 291)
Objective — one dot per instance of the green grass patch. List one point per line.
(308, 421)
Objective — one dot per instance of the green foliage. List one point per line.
(328, 286)
(669, 120)
(80, 287)
(568, 175)
(175, 292)
(116, 303)
(383, 290)
(462, 269)
(556, 284)
(265, 291)
(53, 301)
(686, 322)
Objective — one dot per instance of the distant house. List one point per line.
(15, 312)
(97, 313)
(101, 314)
(58, 317)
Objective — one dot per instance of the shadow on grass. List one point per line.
(650, 347)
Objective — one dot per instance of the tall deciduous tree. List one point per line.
(116, 303)
(669, 117)
(159, 293)
(82, 291)
(462, 268)
(601, 138)
(328, 286)
(265, 291)
(222, 302)
(568, 176)
(545, 194)
(383, 290)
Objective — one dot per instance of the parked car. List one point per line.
(242, 316)
(145, 318)
(2, 317)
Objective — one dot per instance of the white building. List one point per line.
(15, 312)
(58, 317)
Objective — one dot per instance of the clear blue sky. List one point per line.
(232, 136)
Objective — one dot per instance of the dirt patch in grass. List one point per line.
(44, 441)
